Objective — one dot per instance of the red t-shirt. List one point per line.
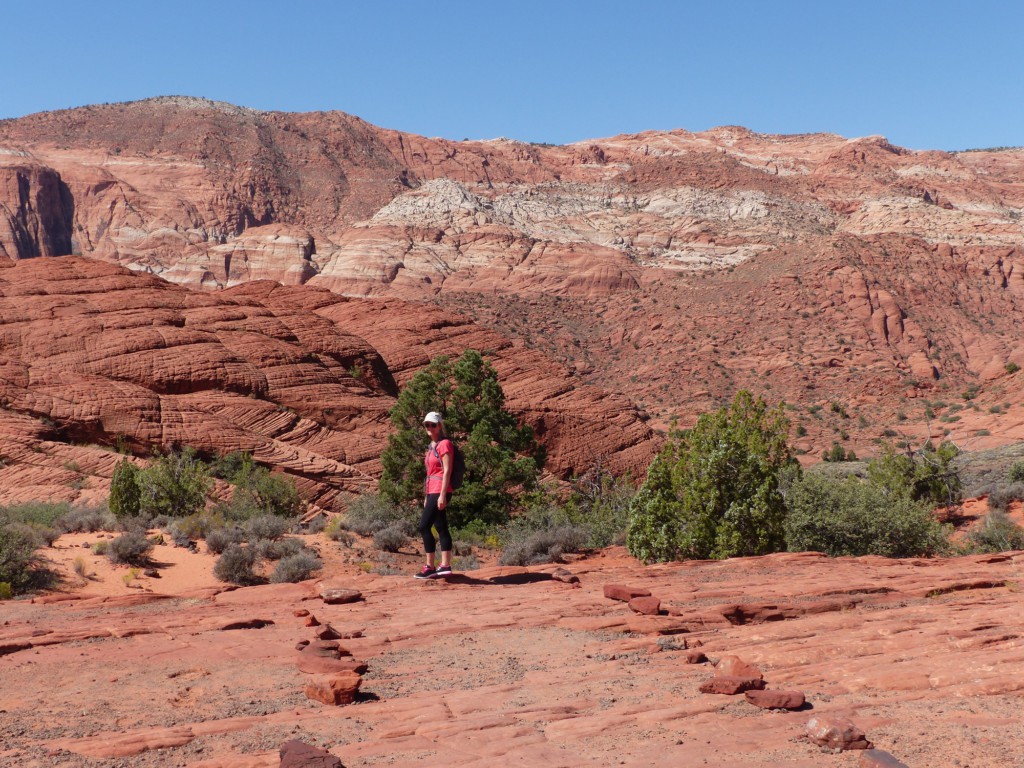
(435, 469)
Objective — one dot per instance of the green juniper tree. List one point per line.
(503, 459)
(714, 491)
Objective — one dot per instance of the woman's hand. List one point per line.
(442, 501)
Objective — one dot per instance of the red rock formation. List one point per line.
(93, 354)
(672, 266)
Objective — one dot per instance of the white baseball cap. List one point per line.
(432, 418)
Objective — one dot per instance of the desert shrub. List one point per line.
(371, 513)
(465, 563)
(6, 590)
(849, 516)
(260, 492)
(43, 514)
(198, 525)
(280, 549)
(390, 539)
(101, 547)
(600, 503)
(87, 520)
(237, 565)
(265, 528)
(19, 562)
(546, 546)
(228, 466)
(220, 539)
(297, 567)
(714, 491)
(80, 567)
(837, 454)
(125, 490)
(1000, 498)
(335, 529)
(1016, 473)
(132, 548)
(996, 533)
(926, 474)
(175, 485)
(317, 524)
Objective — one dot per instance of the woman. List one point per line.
(438, 460)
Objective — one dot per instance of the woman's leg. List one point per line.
(426, 523)
(441, 524)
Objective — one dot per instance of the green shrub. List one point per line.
(132, 548)
(259, 492)
(295, 568)
(849, 516)
(996, 533)
(465, 563)
(6, 590)
(714, 491)
(39, 513)
(125, 490)
(175, 485)
(198, 525)
(926, 474)
(1017, 472)
(19, 563)
(237, 566)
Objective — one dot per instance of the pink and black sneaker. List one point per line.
(427, 573)
(443, 571)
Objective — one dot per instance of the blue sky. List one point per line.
(928, 75)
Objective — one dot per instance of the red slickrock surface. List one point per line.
(500, 665)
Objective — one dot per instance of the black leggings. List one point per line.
(433, 517)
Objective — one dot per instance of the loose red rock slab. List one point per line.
(340, 595)
(693, 656)
(624, 593)
(312, 621)
(877, 758)
(776, 699)
(336, 690)
(730, 686)
(836, 733)
(734, 666)
(326, 648)
(248, 624)
(322, 665)
(327, 632)
(563, 575)
(647, 606)
(298, 754)
(299, 614)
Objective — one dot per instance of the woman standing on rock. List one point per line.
(438, 460)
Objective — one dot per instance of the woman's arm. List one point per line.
(446, 462)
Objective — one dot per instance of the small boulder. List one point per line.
(298, 754)
(694, 656)
(648, 606)
(836, 733)
(327, 648)
(624, 593)
(563, 575)
(300, 613)
(734, 666)
(877, 758)
(730, 686)
(340, 595)
(327, 632)
(312, 621)
(776, 699)
(336, 690)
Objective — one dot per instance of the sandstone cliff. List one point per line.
(676, 267)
